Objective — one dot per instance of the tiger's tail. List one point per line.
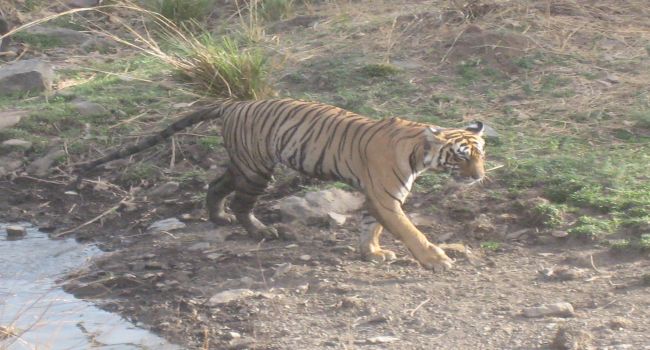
(212, 111)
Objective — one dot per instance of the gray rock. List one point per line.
(336, 200)
(10, 118)
(230, 295)
(89, 109)
(59, 36)
(319, 207)
(165, 190)
(41, 166)
(166, 225)
(15, 231)
(561, 309)
(8, 164)
(16, 143)
(24, 76)
(97, 44)
(337, 219)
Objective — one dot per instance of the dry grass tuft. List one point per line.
(217, 68)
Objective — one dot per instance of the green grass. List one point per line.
(491, 245)
(274, 10)
(182, 11)
(39, 41)
(379, 70)
(220, 67)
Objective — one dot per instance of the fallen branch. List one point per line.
(110, 210)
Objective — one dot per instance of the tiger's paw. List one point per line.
(434, 259)
(379, 255)
(223, 219)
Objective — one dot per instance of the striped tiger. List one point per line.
(381, 158)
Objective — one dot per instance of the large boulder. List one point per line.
(31, 75)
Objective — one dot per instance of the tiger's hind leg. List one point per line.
(369, 241)
(247, 190)
(218, 190)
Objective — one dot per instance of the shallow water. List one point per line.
(46, 317)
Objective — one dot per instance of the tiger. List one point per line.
(380, 158)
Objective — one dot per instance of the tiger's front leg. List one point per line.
(389, 213)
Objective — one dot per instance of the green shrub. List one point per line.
(548, 215)
(222, 68)
(591, 228)
(379, 70)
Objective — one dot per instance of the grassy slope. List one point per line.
(565, 86)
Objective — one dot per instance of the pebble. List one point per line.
(166, 225)
(305, 257)
(15, 231)
(229, 295)
(562, 309)
(382, 339)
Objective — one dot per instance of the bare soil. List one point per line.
(312, 290)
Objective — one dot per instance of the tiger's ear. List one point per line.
(434, 134)
(476, 127)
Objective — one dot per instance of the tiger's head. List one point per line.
(462, 150)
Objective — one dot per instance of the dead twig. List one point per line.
(419, 306)
(98, 217)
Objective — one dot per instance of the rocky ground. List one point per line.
(519, 285)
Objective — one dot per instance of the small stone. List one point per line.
(282, 269)
(562, 309)
(564, 273)
(559, 233)
(613, 78)
(71, 193)
(305, 257)
(351, 302)
(382, 339)
(15, 231)
(232, 335)
(166, 225)
(337, 219)
(41, 166)
(569, 338)
(89, 109)
(17, 143)
(214, 256)
(230, 295)
(618, 323)
(10, 118)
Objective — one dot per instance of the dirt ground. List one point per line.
(314, 292)
(311, 290)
